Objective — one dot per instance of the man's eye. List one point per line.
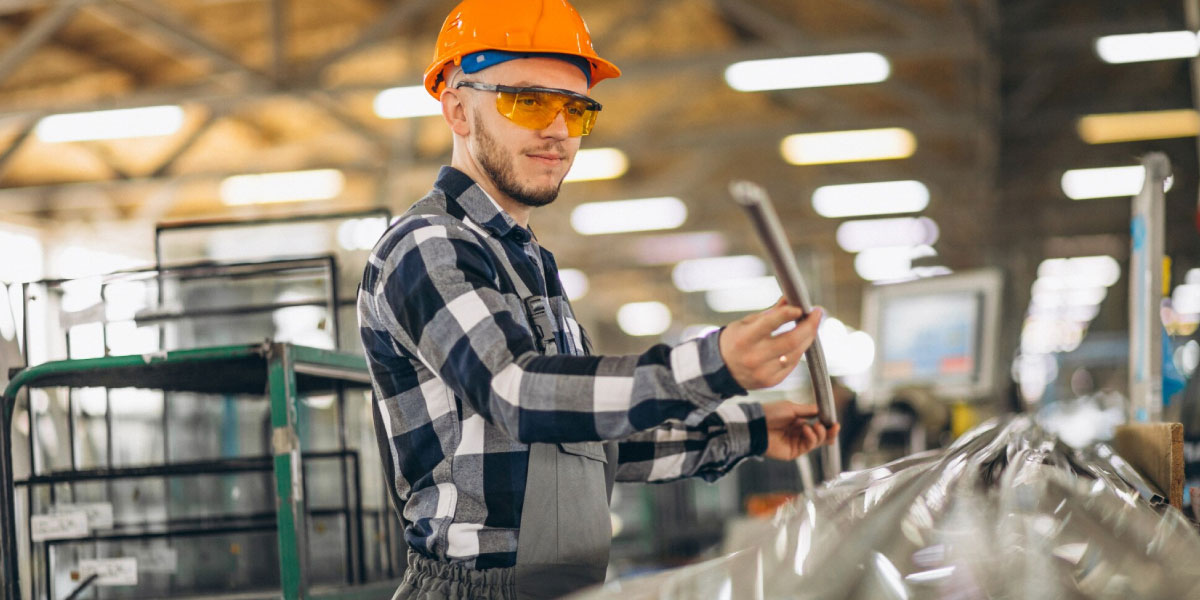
(528, 101)
(574, 111)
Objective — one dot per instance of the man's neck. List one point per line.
(519, 212)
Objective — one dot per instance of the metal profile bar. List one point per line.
(36, 35)
(247, 464)
(762, 214)
(289, 478)
(1145, 293)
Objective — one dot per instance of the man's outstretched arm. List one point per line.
(436, 295)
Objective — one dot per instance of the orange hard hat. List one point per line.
(524, 26)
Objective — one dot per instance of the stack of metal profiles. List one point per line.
(1008, 511)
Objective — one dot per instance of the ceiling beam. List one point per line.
(35, 35)
(163, 23)
(400, 12)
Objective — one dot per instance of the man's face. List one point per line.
(525, 164)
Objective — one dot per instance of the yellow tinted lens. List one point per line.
(537, 110)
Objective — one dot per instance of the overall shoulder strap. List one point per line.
(536, 313)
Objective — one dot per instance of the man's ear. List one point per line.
(455, 113)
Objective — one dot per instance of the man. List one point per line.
(500, 432)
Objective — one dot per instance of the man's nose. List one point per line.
(557, 128)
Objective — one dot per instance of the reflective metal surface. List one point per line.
(1007, 511)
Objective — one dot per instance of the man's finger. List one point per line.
(819, 429)
(796, 341)
(833, 433)
(810, 437)
(772, 318)
(804, 411)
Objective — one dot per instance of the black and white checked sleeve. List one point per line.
(438, 291)
(708, 450)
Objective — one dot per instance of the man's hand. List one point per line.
(789, 434)
(757, 359)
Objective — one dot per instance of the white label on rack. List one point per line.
(111, 571)
(59, 526)
(100, 514)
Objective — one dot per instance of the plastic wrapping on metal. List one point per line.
(1007, 511)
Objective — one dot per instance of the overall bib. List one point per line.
(566, 530)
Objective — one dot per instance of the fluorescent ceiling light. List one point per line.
(884, 264)
(862, 199)
(644, 318)
(294, 186)
(574, 283)
(597, 164)
(1108, 182)
(1077, 273)
(622, 216)
(1134, 126)
(406, 102)
(714, 273)
(848, 146)
(1186, 299)
(111, 124)
(808, 72)
(748, 295)
(856, 236)
(1141, 47)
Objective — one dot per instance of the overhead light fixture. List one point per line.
(1080, 272)
(124, 123)
(574, 283)
(406, 102)
(856, 236)
(748, 295)
(598, 164)
(1108, 182)
(864, 199)
(293, 186)
(644, 318)
(1142, 47)
(808, 72)
(1135, 126)
(713, 273)
(848, 146)
(623, 216)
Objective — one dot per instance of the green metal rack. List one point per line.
(284, 372)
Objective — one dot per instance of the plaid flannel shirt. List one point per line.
(461, 389)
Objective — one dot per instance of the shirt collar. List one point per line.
(477, 205)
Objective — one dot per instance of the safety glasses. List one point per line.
(537, 107)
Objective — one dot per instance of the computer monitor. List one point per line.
(938, 333)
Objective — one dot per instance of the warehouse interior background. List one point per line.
(289, 132)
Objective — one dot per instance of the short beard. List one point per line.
(500, 168)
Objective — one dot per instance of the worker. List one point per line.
(501, 433)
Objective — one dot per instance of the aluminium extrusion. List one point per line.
(757, 203)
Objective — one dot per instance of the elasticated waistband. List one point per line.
(457, 581)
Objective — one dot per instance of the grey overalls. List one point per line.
(566, 529)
